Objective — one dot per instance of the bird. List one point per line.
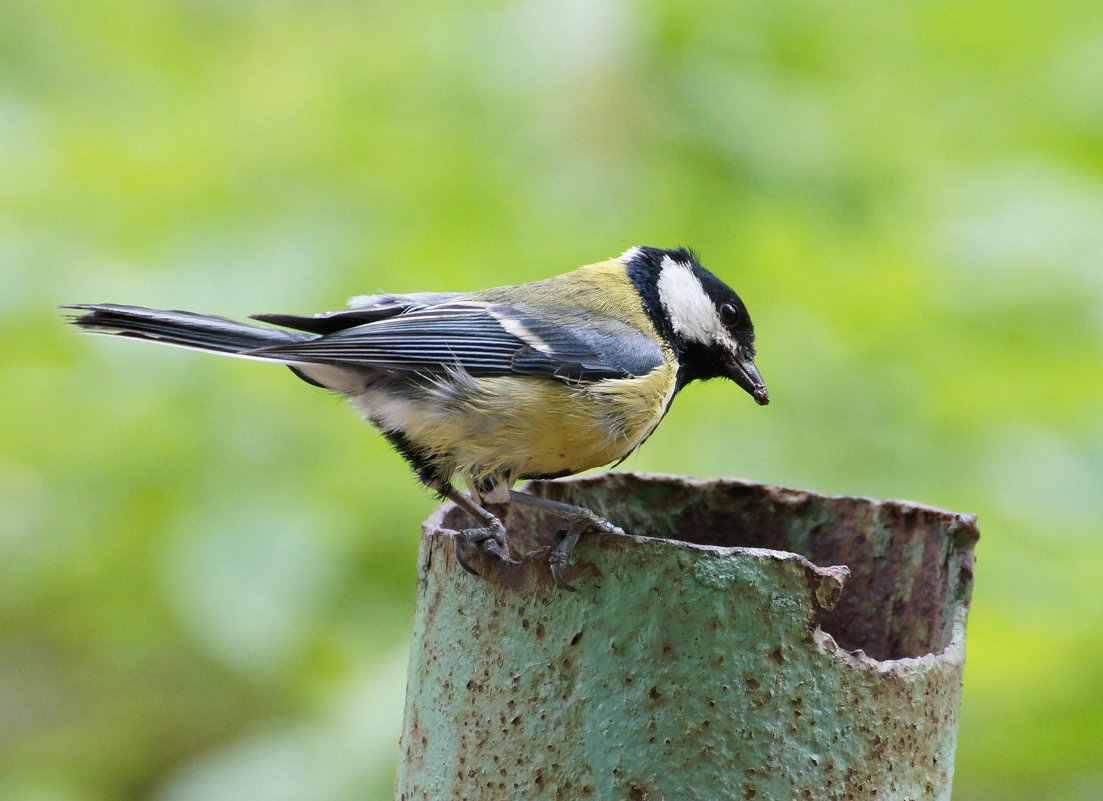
(531, 381)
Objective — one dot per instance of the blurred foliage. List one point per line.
(208, 566)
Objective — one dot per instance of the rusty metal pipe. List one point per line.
(758, 642)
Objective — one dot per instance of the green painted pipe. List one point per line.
(743, 642)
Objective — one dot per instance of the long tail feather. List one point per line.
(181, 328)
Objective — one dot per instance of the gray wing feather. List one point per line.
(486, 339)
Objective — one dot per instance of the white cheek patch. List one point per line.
(690, 309)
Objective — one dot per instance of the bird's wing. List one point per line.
(365, 309)
(485, 339)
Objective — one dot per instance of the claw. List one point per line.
(459, 543)
(557, 560)
(542, 552)
(497, 549)
(556, 556)
(557, 563)
(492, 538)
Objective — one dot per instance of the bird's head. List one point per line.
(701, 317)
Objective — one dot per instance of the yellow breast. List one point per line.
(528, 427)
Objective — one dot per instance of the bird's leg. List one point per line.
(571, 514)
(579, 520)
(491, 535)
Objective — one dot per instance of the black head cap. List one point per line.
(705, 322)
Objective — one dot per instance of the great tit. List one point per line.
(536, 380)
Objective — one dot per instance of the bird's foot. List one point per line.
(591, 523)
(581, 522)
(490, 538)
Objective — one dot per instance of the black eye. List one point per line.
(731, 315)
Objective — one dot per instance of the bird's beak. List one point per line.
(744, 373)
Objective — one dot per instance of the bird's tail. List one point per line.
(184, 329)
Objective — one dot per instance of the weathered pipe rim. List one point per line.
(433, 529)
(707, 483)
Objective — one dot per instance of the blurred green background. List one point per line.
(207, 566)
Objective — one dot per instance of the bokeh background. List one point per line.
(207, 567)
